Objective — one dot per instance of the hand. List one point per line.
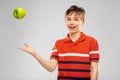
(27, 48)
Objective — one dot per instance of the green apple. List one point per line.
(19, 13)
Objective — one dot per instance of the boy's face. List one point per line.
(73, 22)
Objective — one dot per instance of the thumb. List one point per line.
(27, 45)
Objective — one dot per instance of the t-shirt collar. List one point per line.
(81, 38)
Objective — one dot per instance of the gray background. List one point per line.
(44, 24)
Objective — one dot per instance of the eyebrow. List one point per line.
(74, 17)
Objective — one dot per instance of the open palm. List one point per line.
(27, 48)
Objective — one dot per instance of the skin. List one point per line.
(73, 24)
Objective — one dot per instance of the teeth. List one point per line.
(71, 27)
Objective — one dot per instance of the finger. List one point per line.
(21, 49)
(27, 45)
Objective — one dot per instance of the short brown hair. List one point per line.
(77, 10)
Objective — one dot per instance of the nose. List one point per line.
(71, 22)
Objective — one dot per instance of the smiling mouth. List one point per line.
(72, 27)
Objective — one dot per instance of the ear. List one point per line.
(83, 21)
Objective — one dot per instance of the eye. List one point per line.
(76, 19)
(68, 19)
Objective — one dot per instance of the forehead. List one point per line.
(73, 14)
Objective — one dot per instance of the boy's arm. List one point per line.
(48, 65)
(94, 70)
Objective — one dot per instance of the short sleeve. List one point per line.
(94, 51)
(54, 53)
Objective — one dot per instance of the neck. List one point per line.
(74, 36)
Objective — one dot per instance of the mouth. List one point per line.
(72, 27)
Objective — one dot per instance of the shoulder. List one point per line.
(60, 41)
(91, 38)
(93, 42)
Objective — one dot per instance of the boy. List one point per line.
(77, 55)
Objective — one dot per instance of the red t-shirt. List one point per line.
(74, 58)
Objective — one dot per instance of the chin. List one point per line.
(73, 32)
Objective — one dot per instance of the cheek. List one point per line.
(67, 23)
(77, 23)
